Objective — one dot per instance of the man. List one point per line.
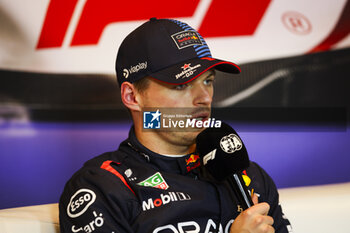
(154, 181)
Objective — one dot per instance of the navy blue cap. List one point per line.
(167, 50)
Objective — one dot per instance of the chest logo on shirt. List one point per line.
(155, 181)
(246, 178)
(165, 198)
(192, 162)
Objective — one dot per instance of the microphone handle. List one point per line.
(238, 186)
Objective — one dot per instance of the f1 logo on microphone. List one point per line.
(209, 156)
(231, 143)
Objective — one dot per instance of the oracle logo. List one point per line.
(194, 227)
(96, 15)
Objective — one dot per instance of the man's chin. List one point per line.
(181, 138)
(189, 137)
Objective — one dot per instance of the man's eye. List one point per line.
(208, 81)
(180, 87)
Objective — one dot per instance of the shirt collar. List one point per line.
(179, 165)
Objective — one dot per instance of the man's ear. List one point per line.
(129, 96)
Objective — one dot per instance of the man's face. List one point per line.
(195, 96)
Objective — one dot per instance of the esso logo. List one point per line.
(231, 143)
(80, 202)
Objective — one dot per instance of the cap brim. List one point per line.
(185, 72)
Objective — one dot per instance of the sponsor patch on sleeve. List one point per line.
(80, 202)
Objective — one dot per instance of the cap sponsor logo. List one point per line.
(80, 202)
(187, 70)
(185, 39)
(126, 73)
(155, 181)
(134, 69)
(231, 143)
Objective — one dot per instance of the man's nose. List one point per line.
(203, 96)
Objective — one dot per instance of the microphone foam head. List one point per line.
(222, 151)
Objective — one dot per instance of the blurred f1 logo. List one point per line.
(87, 19)
(151, 120)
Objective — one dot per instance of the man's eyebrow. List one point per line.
(212, 73)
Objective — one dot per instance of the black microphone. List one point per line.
(224, 155)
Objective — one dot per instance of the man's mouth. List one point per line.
(201, 116)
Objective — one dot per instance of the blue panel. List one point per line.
(301, 158)
(38, 158)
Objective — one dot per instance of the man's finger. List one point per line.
(255, 199)
(260, 208)
(268, 229)
(268, 220)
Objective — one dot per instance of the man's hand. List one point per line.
(254, 219)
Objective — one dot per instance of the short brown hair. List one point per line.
(141, 85)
